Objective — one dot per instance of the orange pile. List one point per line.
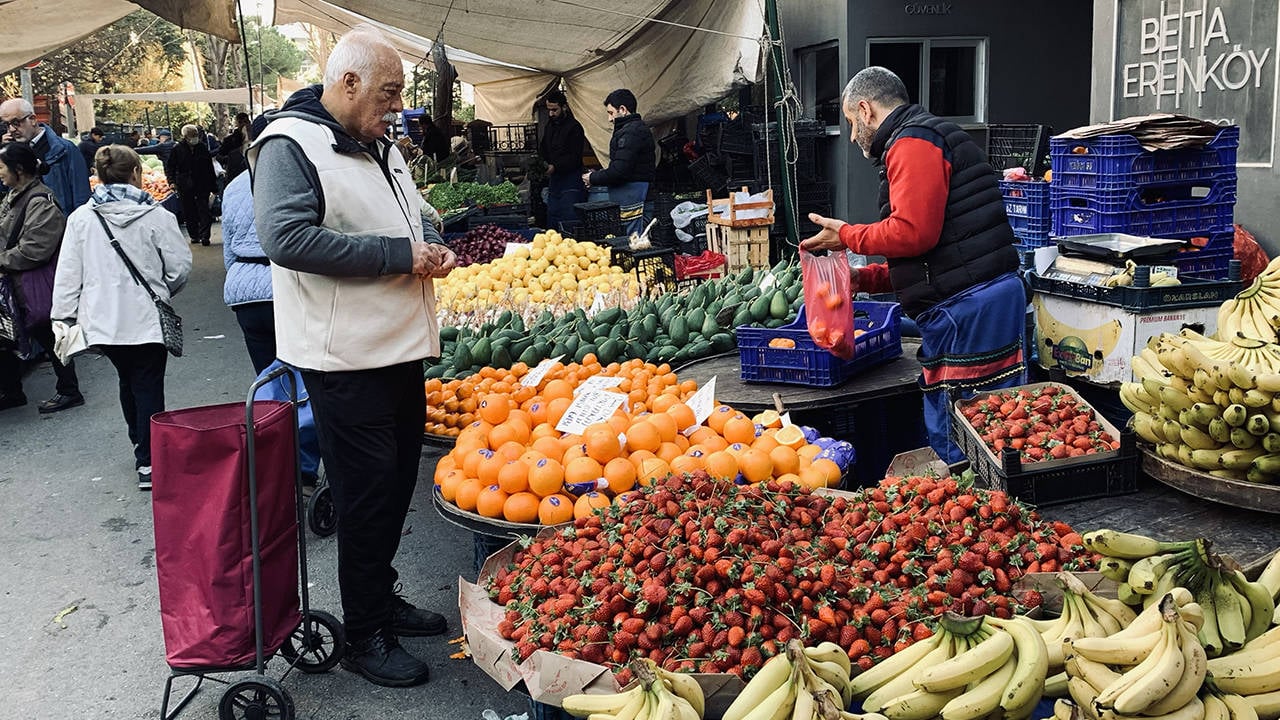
(510, 462)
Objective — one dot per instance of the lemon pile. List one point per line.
(551, 270)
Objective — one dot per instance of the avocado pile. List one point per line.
(675, 328)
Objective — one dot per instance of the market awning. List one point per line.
(86, 119)
(675, 55)
(32, 29)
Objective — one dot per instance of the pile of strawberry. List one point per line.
(701, 575)
(1048, 424)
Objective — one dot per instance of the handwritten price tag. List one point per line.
(597, 382)
(597, 305)
(534, 378)
(589, 408)
(514, 249)
(703, 402)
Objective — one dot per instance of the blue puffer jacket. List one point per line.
(248, 275)
(68, 177)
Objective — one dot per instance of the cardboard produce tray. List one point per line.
(1047, 482)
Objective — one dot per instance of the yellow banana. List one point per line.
(1270, 577)
(967, 667)
(893, 666)
(919, 704)
(1267, 705)
(1055, 685)
(1193, 673)
(584, 704)
(686, 687)
(1145, 683)
(1239, 708)
(1027, 684)
(773, 676)
(1098, 676)
(830, 652)
(904, 684)
(1214, 708)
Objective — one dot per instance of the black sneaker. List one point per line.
(12, 401)
(381, 660)
(144, 478)
(60, 402)
(410, 621)
(204, 243)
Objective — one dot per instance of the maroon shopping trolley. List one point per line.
(231, 553)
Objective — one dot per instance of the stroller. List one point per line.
(322, 518)
(231, 552)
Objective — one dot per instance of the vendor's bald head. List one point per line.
(868, 99)
(362, 83)
(19, 119)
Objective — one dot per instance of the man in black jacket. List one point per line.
(190, 172)
(89, 147)
(631, 160)
(561, 149)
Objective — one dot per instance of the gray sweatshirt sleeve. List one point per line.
(287, 210)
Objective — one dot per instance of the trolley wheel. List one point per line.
(322, 518)
(262, 698)
(322, 653)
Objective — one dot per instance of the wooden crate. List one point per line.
(743, 247)
(735, 207)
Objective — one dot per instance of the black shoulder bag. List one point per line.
(170, 322)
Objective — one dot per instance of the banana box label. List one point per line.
(1096, 341)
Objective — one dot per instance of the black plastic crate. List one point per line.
(507, 222)
(598, 220)
(1050, 482)
(498, 210)
(1025, 146)
(1192, 293)
(707, 171)
(520, 139)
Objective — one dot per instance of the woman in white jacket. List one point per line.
(95, 289)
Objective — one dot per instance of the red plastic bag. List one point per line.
(1253, 259)
(708, 264)
(828, 302)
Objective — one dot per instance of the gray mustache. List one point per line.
(389, 117)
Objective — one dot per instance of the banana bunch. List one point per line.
(1270, 579)
(1154, 668)
(969, 669)
(1235, 610)
(801, 684)
(1124, 278)
(1255, 312)
(1209, 405)
(657, 694)
(1216, 707)
(1253, 670)
(1084, 614)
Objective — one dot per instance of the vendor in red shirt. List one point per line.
(948, 243)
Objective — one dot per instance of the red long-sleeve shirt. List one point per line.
(919, 180)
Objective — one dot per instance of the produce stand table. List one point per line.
(1221, 491)
(879, 411)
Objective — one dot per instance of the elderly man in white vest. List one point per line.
(352, 267)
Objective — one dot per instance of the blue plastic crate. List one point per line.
(1026, 202)
(1157, 211)
(1118, 162)
(808, 364)
(1211, 262)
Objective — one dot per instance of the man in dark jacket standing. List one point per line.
(631, 160)
(561, 149)
(190, 172)
(948, 243)
(89, 146)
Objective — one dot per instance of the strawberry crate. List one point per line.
(808, 364)
(1104, 474)
(1118, 162)
(1026, 202)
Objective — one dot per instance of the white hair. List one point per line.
(190, 131)
(23, 106)
(356, 52)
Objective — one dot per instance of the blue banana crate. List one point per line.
(1118, 162)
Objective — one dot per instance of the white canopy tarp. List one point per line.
(32, 29)
(675, 55)
(86, 119)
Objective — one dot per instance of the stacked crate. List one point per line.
(1110, 184)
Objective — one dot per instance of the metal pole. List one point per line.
(27, 93)
(775, 66)
(244, 45)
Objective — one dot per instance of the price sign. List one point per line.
(597, 382)
(703, 403)
(597, 305)
(534, 378)
(589, 408)
(768, 282)
(513, 248)
(1170, 270)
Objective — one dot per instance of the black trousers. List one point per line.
(196, 214)
(370, 427)
(141, 371)
(258, 323)
(11, 366)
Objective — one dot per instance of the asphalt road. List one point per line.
(80, 633)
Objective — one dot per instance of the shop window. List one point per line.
(819, 81)
(946, 75)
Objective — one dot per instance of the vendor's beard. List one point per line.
(865, 135)
(389, 118)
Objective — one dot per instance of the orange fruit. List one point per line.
(513, 477)
(807, 453)
(829, 469)
(638, 457)
(493, 408)
(701, 434)
(449, 484)
(555, 509)
(756, 465)
(549, 446)
(530, 457)
(765, 442)
(557, 389)
(739, 429)
(813, 478)
(785, 460)
(521, 507)
(445, 464)
(719, 417)
(619, 421)
(662, 403)
(603, 445)
(643, 435)
(511, 450)
(471, 461)
(736, 449)
(490, 501)
(489, 468)
(721, 465)
(686, 464)
(537, 411)
(573, 452)
(556, 408)
(506, 432)
(582, 470)
(620, 474)
(588, 502)
(468, 492)
(683, 414)
(546, 477)
(791, 436)
(665, 424)
(714, 442)
(653, 470)
(792, 478)
(768, 419)
(669, 451)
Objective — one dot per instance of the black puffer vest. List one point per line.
(976, 244)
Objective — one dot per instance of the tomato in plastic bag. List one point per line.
(828, 302)
(1253, 259)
